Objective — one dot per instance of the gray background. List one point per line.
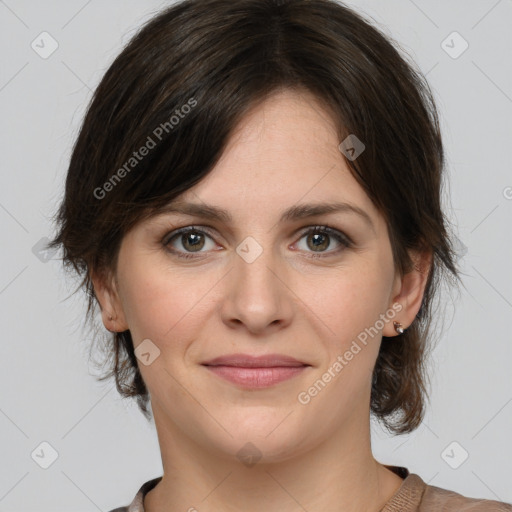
(106, 449)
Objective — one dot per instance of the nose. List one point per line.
(258, 297)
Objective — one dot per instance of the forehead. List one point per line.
(286, 120)
(284, 151)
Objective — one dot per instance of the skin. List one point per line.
(317, 456)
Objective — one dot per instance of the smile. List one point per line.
(256, 377)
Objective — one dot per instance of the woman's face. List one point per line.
(260, 284)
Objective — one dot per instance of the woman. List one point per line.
(254, 203)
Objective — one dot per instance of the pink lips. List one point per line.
(255, 371)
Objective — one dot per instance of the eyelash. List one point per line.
(343, 239)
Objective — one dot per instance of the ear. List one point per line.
(106, 291)
(408, 291)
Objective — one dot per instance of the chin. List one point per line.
(260, 440)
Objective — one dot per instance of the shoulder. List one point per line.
(414, 495)
(438, 499)
(137, 504)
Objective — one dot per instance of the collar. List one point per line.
(406, 499)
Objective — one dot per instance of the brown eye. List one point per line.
(190, 239)
(319, 239)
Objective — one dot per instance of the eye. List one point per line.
(320, 238)
(191, 239)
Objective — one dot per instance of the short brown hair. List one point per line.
(222, 58)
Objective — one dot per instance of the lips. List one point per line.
(253, 372)
(249, 361)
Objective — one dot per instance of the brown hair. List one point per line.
(180, 87)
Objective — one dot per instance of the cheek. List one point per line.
(349, 299)
(351, 305)
(166, 306)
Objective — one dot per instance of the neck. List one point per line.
(339, 475)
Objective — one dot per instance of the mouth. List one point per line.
(256, 371)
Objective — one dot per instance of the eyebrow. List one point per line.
(294, 213)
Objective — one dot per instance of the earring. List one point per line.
(398, 327)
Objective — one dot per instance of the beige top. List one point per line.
(414, 495)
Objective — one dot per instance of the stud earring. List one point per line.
(398, 327)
